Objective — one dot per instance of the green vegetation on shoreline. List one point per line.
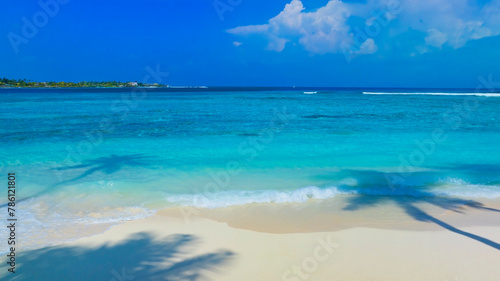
(23, 83)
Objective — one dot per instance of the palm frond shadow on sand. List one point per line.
(409, 203)
(140, 257)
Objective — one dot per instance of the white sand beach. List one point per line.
(170, 246)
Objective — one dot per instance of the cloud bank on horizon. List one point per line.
(365, 28)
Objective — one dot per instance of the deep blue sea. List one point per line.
(92, 156)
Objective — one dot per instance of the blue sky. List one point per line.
(386, 43)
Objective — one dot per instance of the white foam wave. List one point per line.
(235, 198)
(457, 187)
(434, 94)
(232, 198)
(43, 226)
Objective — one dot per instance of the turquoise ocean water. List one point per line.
(91, 156)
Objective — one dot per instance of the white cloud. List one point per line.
(248, 29)
(237, 44)
(321, 31)
(435, 38)
(368, 47)
(327, 30)
(447, 22)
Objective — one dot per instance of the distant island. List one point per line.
(23, 83)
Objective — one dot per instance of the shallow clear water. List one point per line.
(96, 156)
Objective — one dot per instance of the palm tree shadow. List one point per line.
(107, 165)
(423, 216)
(140, 257)
(408, 202)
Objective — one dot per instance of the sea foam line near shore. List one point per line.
(234, 198)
